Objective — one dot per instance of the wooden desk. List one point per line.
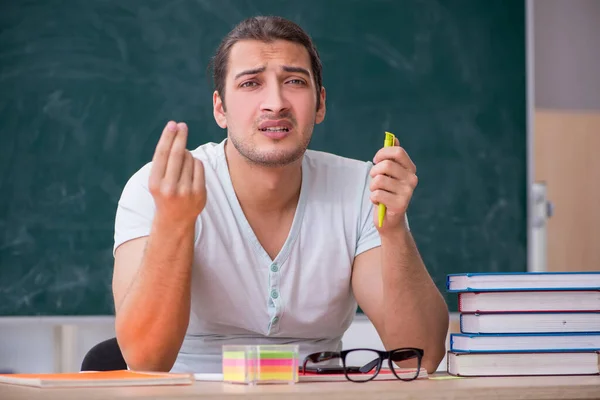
(563, 387)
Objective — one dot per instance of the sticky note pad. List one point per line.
(254, 364)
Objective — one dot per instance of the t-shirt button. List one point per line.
(275, 320)
(274, 267)
(274, 294)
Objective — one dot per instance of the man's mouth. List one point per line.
(275, 129)
(275, 126)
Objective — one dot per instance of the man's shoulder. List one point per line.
(209, 152)
(322, 159)
(334, 169)
(139, 177)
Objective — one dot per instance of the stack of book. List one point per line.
(519, 324)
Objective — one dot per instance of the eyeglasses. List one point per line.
(363, 365)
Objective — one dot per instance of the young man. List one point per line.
(259, 240)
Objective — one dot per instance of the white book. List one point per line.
(523, 281)
(530, 322)
(535, 301)
(523, 364)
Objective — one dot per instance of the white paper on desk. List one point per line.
(209, 377)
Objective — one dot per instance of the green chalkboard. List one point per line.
(87, 86)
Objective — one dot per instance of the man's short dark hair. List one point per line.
(266, 29)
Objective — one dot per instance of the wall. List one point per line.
(49, 344)
(567, 54)
(567, 128)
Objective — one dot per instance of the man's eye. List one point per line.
(297, 82)
(248, 84)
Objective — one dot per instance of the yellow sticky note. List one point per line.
(443, 377)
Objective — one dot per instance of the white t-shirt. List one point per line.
(239, 294)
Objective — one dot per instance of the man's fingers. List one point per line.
(198, 179)
(398, 154)
(382, 197)
(161, 153)
(177, 154)
(394, 203)
(187, 171)
(384, 182)
(389, 168)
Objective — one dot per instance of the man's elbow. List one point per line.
(142, 354)
(433, 358)
(139, 358)
(437, 349)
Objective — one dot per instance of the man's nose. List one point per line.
(275, 100)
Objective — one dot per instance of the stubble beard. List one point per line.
(278, 158)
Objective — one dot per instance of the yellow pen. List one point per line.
(388, 142)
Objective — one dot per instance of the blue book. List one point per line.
(514, 281)
(544, 342)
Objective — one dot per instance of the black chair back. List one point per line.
(105, 356)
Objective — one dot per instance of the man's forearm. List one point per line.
(416, 314)
(154, 315)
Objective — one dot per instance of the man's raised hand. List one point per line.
(177, 178)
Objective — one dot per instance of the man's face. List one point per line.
(270, 98)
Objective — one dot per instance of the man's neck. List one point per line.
(269, 190)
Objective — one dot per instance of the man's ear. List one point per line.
(219, 110)
(320, 116)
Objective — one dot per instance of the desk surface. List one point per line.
(528, 388)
